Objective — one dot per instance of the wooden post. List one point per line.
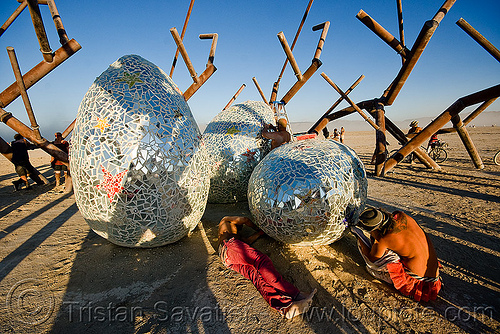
(184, 54)
(38, 72)
(209, 70)
(416, 51)
(68, 129)
(316, 63)
(469, 145)
(188, 15)
(382, 33)
(5, 149)
(471, 116)
(13, 17)
(24, 93)
(289, 55)
(63, 37)
(36, 17)
(400, 25)
(345, 97)
(295, 40)
(380, 139)
(479, 38)
(315, 127)
(234, 97)
(260, 90)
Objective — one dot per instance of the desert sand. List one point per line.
(58, 276)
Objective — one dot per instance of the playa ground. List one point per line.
(58, 276)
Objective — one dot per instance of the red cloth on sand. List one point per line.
(421, 289)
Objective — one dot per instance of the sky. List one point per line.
(453, 64)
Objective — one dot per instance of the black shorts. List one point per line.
(60, 167)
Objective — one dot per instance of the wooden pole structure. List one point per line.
(382, 33)
(315, 128)
(24, 93)
(209, 70)
(380, 141)
(38, 72)
(479, 38)
(295, 40)
(274, 91)
(418, 48)
(345, 97)
(29, 134)
(440, 121)
(188, 15)
(289, 55)
(259, 89)
(13, 17)
(68, 129)
(234, 97)
(400, 25)
(184, 54)
(466, 139)
(63, 37)
(316, 63)
(36, 17)
(471, 116)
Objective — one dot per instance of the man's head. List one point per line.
(282, 124)
(372, 218)
(58, 135)
(17, 136)
(413, 123)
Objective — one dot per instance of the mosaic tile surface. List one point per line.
(139, 168)
(235, 146)
(307, 192)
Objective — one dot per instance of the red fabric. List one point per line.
(410, 286)
(257, 267)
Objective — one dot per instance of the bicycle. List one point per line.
(496, 158)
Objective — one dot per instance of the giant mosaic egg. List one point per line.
(307, 192)
(140, 172)
(235, 146)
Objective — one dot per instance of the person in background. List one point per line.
(336, 135)
(21, 161)
(57, 165)
(342, 134)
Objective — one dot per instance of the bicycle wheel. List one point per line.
(438, 155)
(496, 158)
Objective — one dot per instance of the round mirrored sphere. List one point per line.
(235, 146)
(307, 192)
(139, 169)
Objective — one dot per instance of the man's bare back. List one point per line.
(410, 242)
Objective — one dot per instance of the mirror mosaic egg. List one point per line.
(235, 146)
(307, 192)
(139, 168)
